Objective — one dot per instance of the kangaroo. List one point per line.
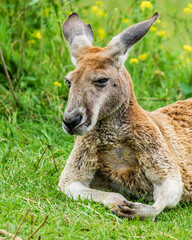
(121, 147)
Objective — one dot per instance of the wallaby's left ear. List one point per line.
(79, 36)
(119, 45)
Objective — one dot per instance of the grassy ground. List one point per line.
(36, 56)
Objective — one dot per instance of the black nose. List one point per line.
(72, 122)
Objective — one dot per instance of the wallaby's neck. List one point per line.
(128, 114)
(130, 108)
(131, 99)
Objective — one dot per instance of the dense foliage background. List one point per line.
(37, 59)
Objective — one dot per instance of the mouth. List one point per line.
(78, 130)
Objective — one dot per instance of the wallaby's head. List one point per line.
(97, 85)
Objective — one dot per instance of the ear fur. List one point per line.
(79, 36)
(119, 46)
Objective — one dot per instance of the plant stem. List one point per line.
(8, 78)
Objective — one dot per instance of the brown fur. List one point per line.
(128, 149)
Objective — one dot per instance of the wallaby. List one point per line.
(121, 147)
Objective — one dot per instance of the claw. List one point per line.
(114, 211)
(130, 204)
(120, 206)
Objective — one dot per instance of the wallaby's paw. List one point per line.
(132, 210)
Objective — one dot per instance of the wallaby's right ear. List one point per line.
(79, 36)
(119, 45)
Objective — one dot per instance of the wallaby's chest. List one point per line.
(120, 164)
(118, 158)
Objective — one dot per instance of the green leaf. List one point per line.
(186, 89)
(33, 2)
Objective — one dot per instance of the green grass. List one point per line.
(26, 131)
(23, 188)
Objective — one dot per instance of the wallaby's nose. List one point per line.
(71, 120)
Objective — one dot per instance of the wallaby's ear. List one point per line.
(119, 45)
(79, 36)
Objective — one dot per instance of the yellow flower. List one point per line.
(143, 57)
(57, 84)
(190, 5)
(145, 4)
(101, 12)
(97, 11)
(125, 20)
(153, 29)
(38, 35)
(187, 10)
(134, 60)
(99, 3)
(101, 33)
(187, 48)
(161, 33)
(158, 72)
(187, 60)
(94, 9)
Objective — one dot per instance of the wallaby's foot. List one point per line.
(132, 210)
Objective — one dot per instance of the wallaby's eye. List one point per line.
(68, 82)
(101, 82)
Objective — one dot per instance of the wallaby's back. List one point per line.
(175, 123)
